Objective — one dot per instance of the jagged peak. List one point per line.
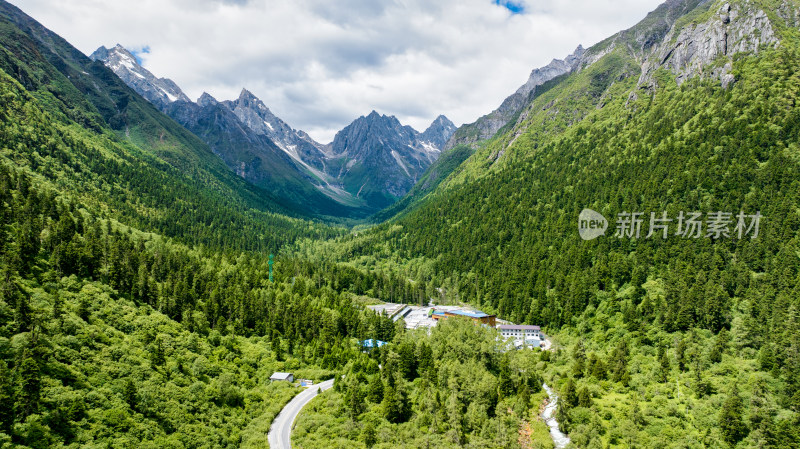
(247, 95)
(442, 119)
(248, 99)
(100, 54)
(206, 100)
(119, 49)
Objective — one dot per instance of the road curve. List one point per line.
(281, 430)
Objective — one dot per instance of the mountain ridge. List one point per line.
(326, 168)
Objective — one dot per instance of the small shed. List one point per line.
(287, 377)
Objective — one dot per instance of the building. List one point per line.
(529, 343)
(519, 331)
(286, 377)
(476, 316)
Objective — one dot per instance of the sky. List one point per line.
(320, 64)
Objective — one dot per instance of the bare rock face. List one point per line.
(254, 114)
(159, 91)
(378, 159)
(692, 50)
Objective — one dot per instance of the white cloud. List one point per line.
(319, 64)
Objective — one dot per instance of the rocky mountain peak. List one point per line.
(249, 99)
(206, 100)
(555, 68)
(159, 91)
(438, 133)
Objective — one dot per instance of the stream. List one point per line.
(559, 439)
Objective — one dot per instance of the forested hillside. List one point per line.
(136, 307)
(115, 337)
(458, 386)
(102, 320)
(71, 119)
(681, 339)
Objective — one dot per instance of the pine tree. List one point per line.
(277, 348)
(369, 435)
(83, 307)
(425, 359)
(584, 398)
(580, 360)
(392, 408)
(375, 389)
(766, 357)
(731, 422)
(129, 394)
(505, 386)
(720, 345)
(715, 306)
(157, 355)
(29, 385)
(664, 365)
(598, 368)
(6, 398)
(23, 315)
(680, 354)
(569, 395)
(354, 399)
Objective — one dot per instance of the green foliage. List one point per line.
(654, 330)
(133, 339)
(473, 393)
(157, 177)
(731, 422)
(447, 163)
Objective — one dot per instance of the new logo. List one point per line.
(591, 224)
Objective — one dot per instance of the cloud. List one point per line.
(320, 64)
(513, 7)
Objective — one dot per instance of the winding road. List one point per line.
(280, 433)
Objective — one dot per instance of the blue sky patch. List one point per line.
(514, 7)
(143, 51)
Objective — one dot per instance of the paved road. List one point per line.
(280, 433)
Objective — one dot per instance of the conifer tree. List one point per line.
(375, 389)
(29, 386)
(6, 398)
(731, 422)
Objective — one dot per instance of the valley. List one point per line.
(162, 259)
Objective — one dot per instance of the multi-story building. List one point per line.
(521, 334)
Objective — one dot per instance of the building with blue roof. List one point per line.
(476, 316)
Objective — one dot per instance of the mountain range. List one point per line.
(369, 165)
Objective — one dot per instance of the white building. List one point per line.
(521, 334)
(286, 377)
